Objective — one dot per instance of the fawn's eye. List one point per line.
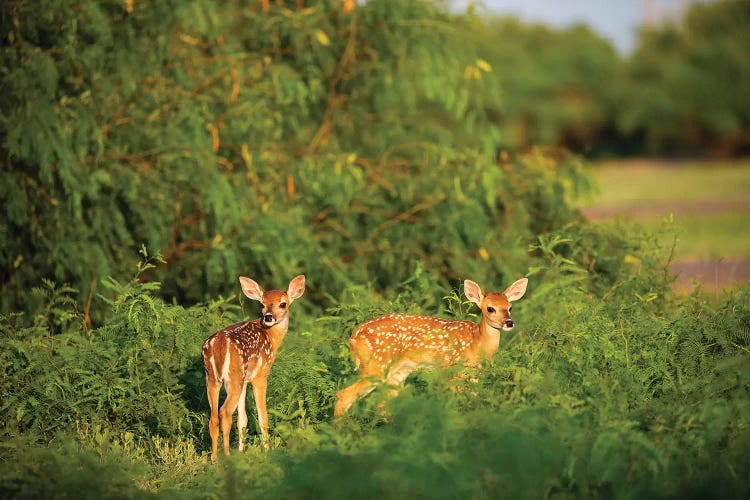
(282, 305)
(510, 308)
(490, 309)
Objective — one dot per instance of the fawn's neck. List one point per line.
(488, 339)
(277, 332)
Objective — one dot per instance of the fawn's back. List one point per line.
(248, 342)
(380, 342)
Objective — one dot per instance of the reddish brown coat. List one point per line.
(388, 348)
(242, 354)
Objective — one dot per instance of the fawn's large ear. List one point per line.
(296, 288)
(473, 292)
(516, 290)
(251, 289)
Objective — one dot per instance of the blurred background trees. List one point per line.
(686, 87)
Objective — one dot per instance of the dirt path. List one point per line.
(637, 210)
(711, 274)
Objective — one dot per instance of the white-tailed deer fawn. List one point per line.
(242, 353)
(388, 348)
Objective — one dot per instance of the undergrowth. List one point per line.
(605, 389)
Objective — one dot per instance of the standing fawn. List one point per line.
(389, 348)
(242, 353)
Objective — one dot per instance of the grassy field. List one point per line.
(631, 183)
(707, 202)
(710, 236)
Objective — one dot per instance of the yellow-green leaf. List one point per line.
(322, 37)
(484, 65)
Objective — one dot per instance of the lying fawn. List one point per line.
(389, 348)
(242, 353)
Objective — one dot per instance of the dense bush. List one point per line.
(225, 138)
(240, 138)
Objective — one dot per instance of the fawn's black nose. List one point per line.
(508, 323)
(268, 318)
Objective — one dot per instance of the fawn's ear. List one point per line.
(296, 288)
(473, 292)
(251, 289)
(516, 290)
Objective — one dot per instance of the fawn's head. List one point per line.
(275, 302)
(496, 306)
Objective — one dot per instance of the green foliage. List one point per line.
(226, 139)
(116, 374)
(67, 469)
(602, 390)
(621, 260)
(240, 138)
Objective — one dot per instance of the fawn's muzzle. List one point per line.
(508, 323)
(268, 318)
